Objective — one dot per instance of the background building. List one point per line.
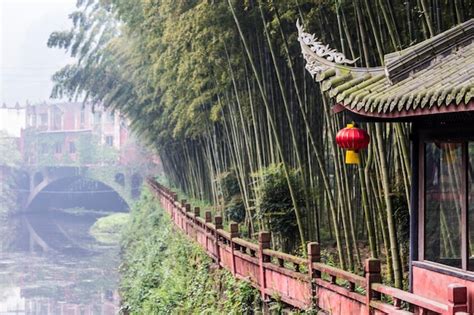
(12, 119)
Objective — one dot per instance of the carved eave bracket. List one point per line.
(319, 57)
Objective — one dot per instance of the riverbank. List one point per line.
(163, 272)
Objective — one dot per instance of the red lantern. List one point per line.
(352, 139)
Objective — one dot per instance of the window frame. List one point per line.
(58, 148)
(72, 147)
(111, 142)
(454, 135)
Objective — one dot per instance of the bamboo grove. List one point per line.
(219, 89)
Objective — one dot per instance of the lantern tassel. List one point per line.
(352, 157)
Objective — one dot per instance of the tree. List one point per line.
(9, 151)
(219, 87)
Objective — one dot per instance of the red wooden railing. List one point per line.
(301, 283)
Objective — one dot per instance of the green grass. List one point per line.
(108, 230)
(165, 273)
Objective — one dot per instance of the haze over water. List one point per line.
(50, 260)
(76, 276)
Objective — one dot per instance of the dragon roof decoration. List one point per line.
(320, 51)
(430, 77)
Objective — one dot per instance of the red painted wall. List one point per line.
(434, 285)
(69, 120)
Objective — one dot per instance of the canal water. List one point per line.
(51, 264)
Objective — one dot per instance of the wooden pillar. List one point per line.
(197, 213)
(173, 207)
(193, 223)
(314, 255)
(263, 243)
(372, 275)
(218, 222)
(457, 299)
(207, 219)
(234, 232)
(181, 210)
(218, 226)
(187, 208)
(168, 201)
(208, 216)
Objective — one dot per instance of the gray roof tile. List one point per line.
(434, 73)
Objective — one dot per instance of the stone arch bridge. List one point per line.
(124, 182)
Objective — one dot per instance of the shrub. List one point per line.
(275, 204)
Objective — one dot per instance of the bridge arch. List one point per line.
(38, 177)
(70, 185)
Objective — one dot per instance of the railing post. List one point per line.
(187, 208)
(218, 226)
(263, 243)
(207, 219)
(457, 299)
(372, 275)
(234, 232)
(218, 222)
(181, 210)
(208, 216)
(195, 223)
(173, 207)
(168, 202)
(314, 255)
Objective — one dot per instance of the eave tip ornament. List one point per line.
(352, 139)
(318, 56)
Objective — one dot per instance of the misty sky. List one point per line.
(26, 63)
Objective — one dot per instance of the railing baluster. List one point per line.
(187, 208)
(457, 299)
(351, 286)
(208, 217)
(397, 303)
(217, 225)
(213, 240)
(314, 255)
(234, 232)
(263, 243)
(372, 275)
(281, 262)
(297, 267)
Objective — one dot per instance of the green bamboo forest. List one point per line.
(218, 88)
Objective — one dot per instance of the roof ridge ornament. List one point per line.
(313, 65)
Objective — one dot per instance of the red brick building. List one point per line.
(61, 129)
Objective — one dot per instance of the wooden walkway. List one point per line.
(303, 283)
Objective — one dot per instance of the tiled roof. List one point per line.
(434, 76)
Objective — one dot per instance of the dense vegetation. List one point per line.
(108, 229)
(165, 273)
(219, 89)
(10, 165)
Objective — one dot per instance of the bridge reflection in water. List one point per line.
(15, 303)
(52, 266)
